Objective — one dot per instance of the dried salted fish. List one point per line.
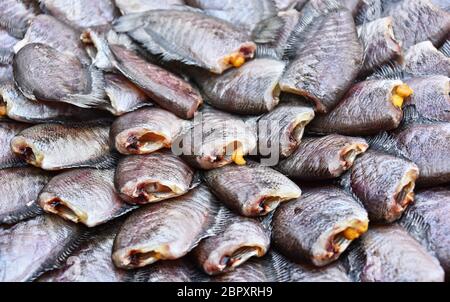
(251, 190)
(149, 178)
(84, 196)
(369, 107)
(32, 247)
(139, 6)
(56, 147)
(319, 226)
(180, 270)
(165, 230)
(7, 43)
(19, 192)
(15, 15)
(184, 35)
(8, 131)
(145, 130)
(322, 158)
(389, 254)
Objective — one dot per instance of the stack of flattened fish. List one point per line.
(224, 141)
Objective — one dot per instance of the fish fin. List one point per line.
(266, 222)
(129, 22)
(268, 30)
(354, 260)
(196, 180)
(21, 214)
(383, 141)
(390, 71)
(221, 221)
(417, 226)
(445, 49)
(97, 95)
(5, 57)
(13, 163)
(345, 180)
(121, 39)
(281, 266)
(290, 50)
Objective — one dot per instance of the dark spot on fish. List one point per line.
(132, 143)
(27, 154)
(298, 211)
(225, 260)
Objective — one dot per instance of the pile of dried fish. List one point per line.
(207, 140)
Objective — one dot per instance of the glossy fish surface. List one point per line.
(36, 65)
(82, 13)
(86, 196)
(243, 14)
(431, 97)
(32, 247)
(55, 147)
(384, 184)
(200, 40)
(322, 158)
(390, 254)
(8, 131)
(251, 89)
(145, 130)
(424, 59)
(318, 226)
(17, 107)
(7, 46)
(216, 139)
(50, 31)
(91, 261)
(431, 208)
(252, 189)
(139, 6)
(327, 46)
(284, 126)
(19, 192)
(123, 95)
(241, 239)
(154, 177)
(369, 107)
(165, 230)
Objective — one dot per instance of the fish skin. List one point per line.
(192, 32)
(15, 15)
(432, 205)
(283, 5)
(424, 59)
(32, 247)
(179, 270)
(128, 129)
(322, 158)
(48, 30)
(21, 109)
(124, 96)
(239, 233)
(431, 97)
(317, 60)
(209, 143)
(86, 195)
(19, 193)
(272, 34)
(250, 89)
(443, 4)
(376, 178)
(305, 229)
(82, 13)
(390, 254)
(56, 147)
(245, 188)
(427, 146)
(168, 230)
(6, 47)
(8, 131)
(6, 73)
(366, 109)
(36, 65)
(288, 271)
(379, 43)
(91, 261)
(243, 14)
(284, 125)
(139, 6)
(165, 88)
(254, 270)
(137, 172)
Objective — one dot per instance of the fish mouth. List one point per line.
(233, 152)
(298, 126)
(349, 154)
(152, 191)
(61, 208)
(3, 109)
(146, 143)
(239, 256)
(267, 204)
(26, 151)
(404, 195)
(138, 258)
(331, 245)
